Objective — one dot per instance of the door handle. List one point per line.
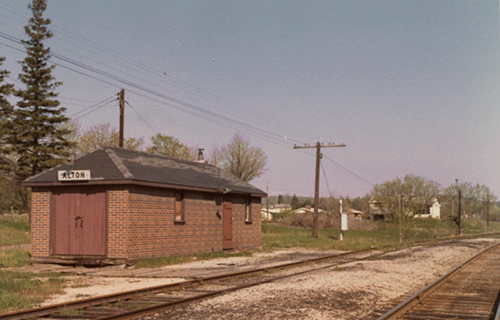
(81, 223)
(76, 221)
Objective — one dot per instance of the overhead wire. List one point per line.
(94, 105)
(143, 68)
(326, 180)
(141, 117)
(196, 108)
(349, 171)
(92, 111)
(261, 133)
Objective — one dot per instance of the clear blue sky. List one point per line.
(410, 86)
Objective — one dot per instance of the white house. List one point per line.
(428, 209)
(277, 208)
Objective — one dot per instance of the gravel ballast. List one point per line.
(351, 291)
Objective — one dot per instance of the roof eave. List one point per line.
(133, 182)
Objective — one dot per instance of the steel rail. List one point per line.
(114, 297)
(132, 314)
(497, 314)
(404, 306)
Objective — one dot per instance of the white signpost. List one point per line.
(73, 175)
(344, 225)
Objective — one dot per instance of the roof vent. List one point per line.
(200, 156)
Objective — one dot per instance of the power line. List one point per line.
(214, 117)
(326, 180)
(92, 106)
(141, 117)
(86, 114)
(143, 68)
(349, 171)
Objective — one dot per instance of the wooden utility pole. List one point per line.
(459, 212)
(122, 116)
(318, 147)
(400, 219)
(488, 209)
(267, 200)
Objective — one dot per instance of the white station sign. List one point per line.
(73, 175)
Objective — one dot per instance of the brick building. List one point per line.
(119, 206)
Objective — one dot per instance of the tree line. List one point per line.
(36, 134)
(411, 193)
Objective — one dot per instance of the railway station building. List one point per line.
(116, 206)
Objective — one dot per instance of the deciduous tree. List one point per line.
(170, 147)
(416, 193)
(104, 135)
(239, 159)
(473, 199)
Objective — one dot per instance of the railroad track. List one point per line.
(469, 291)
(142, 302)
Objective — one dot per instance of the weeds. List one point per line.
(21, 290)
(14, 258)
(14, 231)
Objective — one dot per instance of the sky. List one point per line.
(411, 87)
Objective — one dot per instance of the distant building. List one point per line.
(355, 214)
(430, 208)
(275, 208)
(307, 209)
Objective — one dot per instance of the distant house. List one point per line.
(430, 208)
(275, 208)
(354, 214)
(307, 209)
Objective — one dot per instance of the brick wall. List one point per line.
(118, 203)
(40, 222)
(153, 232)
(140, 223)
(246, 235)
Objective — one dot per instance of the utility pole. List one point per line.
(267, 201)
(459, 212)
(488, 209)
(400, 219)
(122, 116)
(318, 147)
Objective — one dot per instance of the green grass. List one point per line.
(275, 237)
(160, 262)
(21, 290)
(14, 258)
(14, 231)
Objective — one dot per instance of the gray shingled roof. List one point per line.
(115, 164)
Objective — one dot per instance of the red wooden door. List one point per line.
(228, 224)
(79, 221)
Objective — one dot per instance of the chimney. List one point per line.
(200, 156)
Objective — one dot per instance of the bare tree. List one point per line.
(239, 159)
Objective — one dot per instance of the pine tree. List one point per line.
(36, 136)
(295, 204)
(5, 111)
